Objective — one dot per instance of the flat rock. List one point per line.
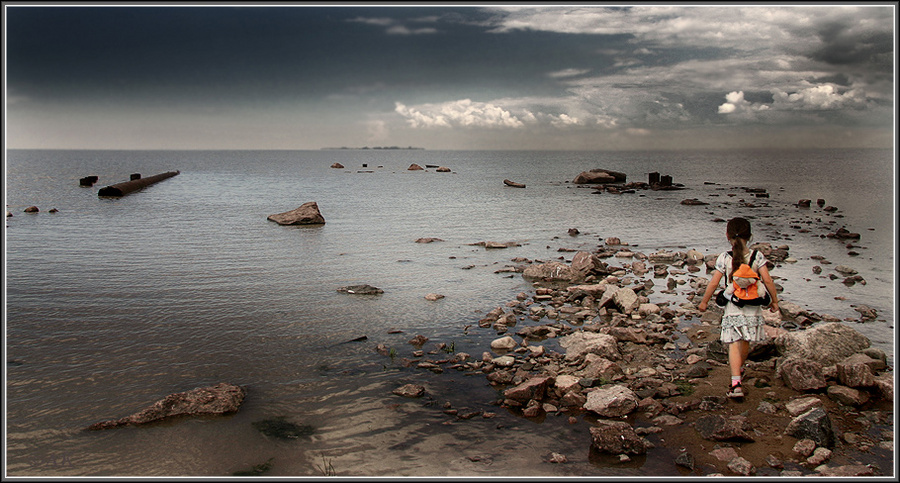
(307, 214)
(222, 398)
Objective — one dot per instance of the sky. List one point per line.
(449, 76)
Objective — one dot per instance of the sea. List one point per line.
(113, 303)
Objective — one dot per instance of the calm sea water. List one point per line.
(112, 304)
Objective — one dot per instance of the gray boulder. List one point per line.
(579, 344)
(801, 374)
(612, 401)
(815, 425)
(599, 176)
(826, 344)
(550, 272)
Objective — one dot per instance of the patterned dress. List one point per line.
(741, 323)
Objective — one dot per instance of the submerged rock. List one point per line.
(283, 429)
(222, 398)
(361, 290)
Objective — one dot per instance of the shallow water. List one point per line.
(113, 303)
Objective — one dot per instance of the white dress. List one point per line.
(741, 323)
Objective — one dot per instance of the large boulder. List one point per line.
(550, 272)
(814, 424)
(612, 401)
(599, 176)
(826, 344)
(222, 398)
(307, 214)
(579, 344)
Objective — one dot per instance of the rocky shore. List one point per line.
(593, 342)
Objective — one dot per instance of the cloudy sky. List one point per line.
(147, 76)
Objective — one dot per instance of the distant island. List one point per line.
(379, 147)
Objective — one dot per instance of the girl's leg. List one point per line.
(737, 354)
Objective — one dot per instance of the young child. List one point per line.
(745, 324)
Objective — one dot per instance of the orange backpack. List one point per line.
(746, 286)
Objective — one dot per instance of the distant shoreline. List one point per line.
(410, 148)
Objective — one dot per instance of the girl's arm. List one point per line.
(770, 287)
(710, 288)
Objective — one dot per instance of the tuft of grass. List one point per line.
(685, 388)
(392, 353)
(327, 469)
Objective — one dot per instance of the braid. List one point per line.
(738, 232)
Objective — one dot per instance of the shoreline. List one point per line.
(661, 348)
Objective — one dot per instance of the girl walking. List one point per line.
(743, 321)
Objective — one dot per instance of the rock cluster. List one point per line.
(624, 359)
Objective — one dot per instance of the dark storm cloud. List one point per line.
(282, 74)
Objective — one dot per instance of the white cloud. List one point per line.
(395, 27)
(567, 73)
(821, 97)
(824, 97)
(403, 30)
(461, 113)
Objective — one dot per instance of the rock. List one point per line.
(414, 167)
(626, 300)
(418, 340)
(222, 398)
(799, 406)
(826, 344)
(844, 270)
(814, 424)
(443, 169)
(513, 184)
(600, 367)
(885, 385)
(433, 296)
(307, 214)
(612, 401)
(410, 390)
(337, 166)
(361, 290)
(847, 470)
(617, 437)
(801, 374)
(598, 176)
(532, 389)
(847, 396)
(550, 272)
(558, 458)
(685, 459)
(428, 240)
(693, 202)
(579, 344)
(585, 262)
(504, 344)
(717, 428)
(741, 466)
(804, 447)
(857, 370)
(32, 209)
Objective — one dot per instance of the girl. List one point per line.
(740, 325)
